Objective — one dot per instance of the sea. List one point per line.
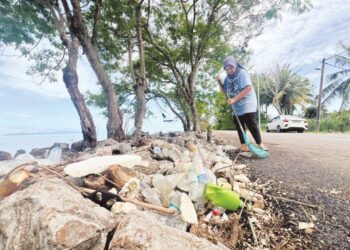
(11, 143)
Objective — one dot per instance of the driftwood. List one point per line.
(160, 209)
(12, 182)
(293, 201)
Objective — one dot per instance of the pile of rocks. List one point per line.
(119, 197)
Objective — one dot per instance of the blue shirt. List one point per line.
(233, 85)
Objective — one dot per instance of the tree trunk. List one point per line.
(195, 118)
(70, 79)
(188, 122)
(115, 119)
(140, 87)
(192, 91)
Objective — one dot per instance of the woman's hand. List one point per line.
(231, 101)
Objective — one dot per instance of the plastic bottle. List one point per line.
(211, 176)
(55, 155)
(174, 200)
(222, 197)
(151, 196)
(195, 192)
(199, 169)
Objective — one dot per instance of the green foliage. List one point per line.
(339, 85)
(310, 112)
(284, 89)
(24, 22)
(222, 113)
(333, 122)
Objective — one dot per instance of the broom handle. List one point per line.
(234, 112)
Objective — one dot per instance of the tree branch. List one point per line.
(97, 17)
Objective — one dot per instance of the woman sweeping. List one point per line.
(242, 98)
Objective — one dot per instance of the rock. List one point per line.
(172, 153)
(123, 207)
(77, 146)
(250, 195)
(159, 143)
(191, 147)
(246, 154)
(115, 149)
(259, 204)
(19, 152)
(222, 167)
(107, 142)
(141, 230)
(52, 215)
(120, 175)
(187, 212)
(178, 141)
(166, 164)
(228, 147)
(242, 178)
(94, 182)
(99, 164)
(40, 153)
(63, 146)
(240, 167)
(5, 156)
(222, 182)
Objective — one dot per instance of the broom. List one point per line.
(254, 149)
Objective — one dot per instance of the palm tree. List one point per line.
(288, 89)
(339, 85)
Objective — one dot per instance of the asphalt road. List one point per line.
(322, 160)
(311, 168)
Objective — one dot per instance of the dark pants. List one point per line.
(248, 120)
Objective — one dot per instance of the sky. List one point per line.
(300, 40)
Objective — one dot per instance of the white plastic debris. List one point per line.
(305, 225)
(151, 196)
(101, 163)
(130, 189)
(187, 211)
(55, 155)
(123, 207)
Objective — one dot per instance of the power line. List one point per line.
(336, 66)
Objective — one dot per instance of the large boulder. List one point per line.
(141, 230)
(119, 148)
(5, 156)
(19, 152)
(77, 146)
(40, 153)
(52, 215)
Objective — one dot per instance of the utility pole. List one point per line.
(320, 97)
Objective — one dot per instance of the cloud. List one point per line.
(13, 74)
(303, 40)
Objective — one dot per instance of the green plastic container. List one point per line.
(222, 197)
